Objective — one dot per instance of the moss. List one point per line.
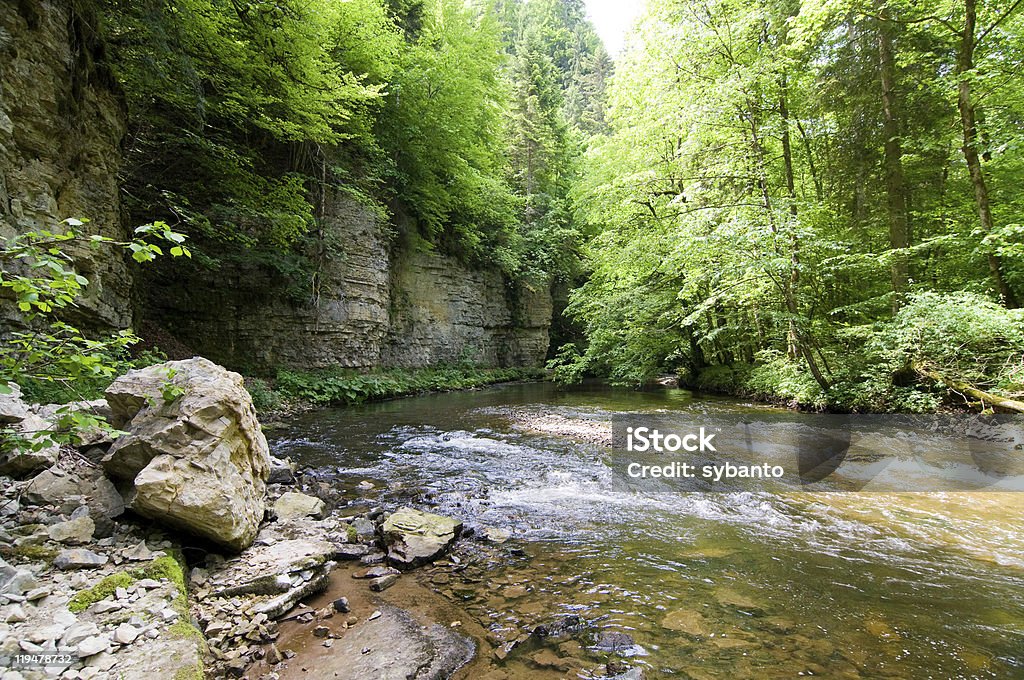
(34, 552)
(352, 534)
(105, 588)
(171, 568)
(190, 673)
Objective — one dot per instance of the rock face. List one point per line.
(415, 538)
(377, 306)
(199, 461)
(61, 126)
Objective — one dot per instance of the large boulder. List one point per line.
(415, 538)
(195, 455)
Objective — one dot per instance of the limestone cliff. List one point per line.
(61, 126)
(374, 306)
(62, 122)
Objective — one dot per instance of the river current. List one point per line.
(746, 584)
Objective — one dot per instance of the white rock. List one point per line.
(92, 645)
(16, 614)
(78, 632)
(293, 505)
(125, 634)
(199, 463)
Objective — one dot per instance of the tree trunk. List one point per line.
(895, 180)
(969, 120)
(798, 343)
(968, 390)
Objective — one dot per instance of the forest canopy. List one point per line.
(463, 120)
(813, 200)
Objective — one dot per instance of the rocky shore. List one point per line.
(182, 549)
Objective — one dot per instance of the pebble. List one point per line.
(321, 631)
(374, 615)
(341, 605)
(16, 614)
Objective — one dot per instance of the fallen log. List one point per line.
(970, 391)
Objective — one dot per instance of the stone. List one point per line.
(687, 621)
(21, 461)
(55, 485)
(16, 581)
(731, 598)
(351, 551)
(415, 538)
(341, 605)
(79, 558)
(281, 471)
(375, 572)
(198, 463)
(276, 570)
(92, 645)
(125, 634)
(321, 631)
(76, 531)
(78, 632)
(396, 645)
(16, 614)
(12, 408)
(103, 661)
(613, 641)
(293, 505)
(383, 583)
(140, 553)
(364, 528)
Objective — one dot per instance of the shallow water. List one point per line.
(707, 585)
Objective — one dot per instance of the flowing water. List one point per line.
(705, 585)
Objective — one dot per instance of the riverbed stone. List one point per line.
(688, 621)
(197, 461)
(282, 471)
(395, 644)
(293, 504)
(414, 537)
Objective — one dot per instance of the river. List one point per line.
(737, 585)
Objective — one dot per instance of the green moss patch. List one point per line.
(102, 590)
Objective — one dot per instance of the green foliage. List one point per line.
(246, 117)
(51, 359)
(746, 201)
(344, 387)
